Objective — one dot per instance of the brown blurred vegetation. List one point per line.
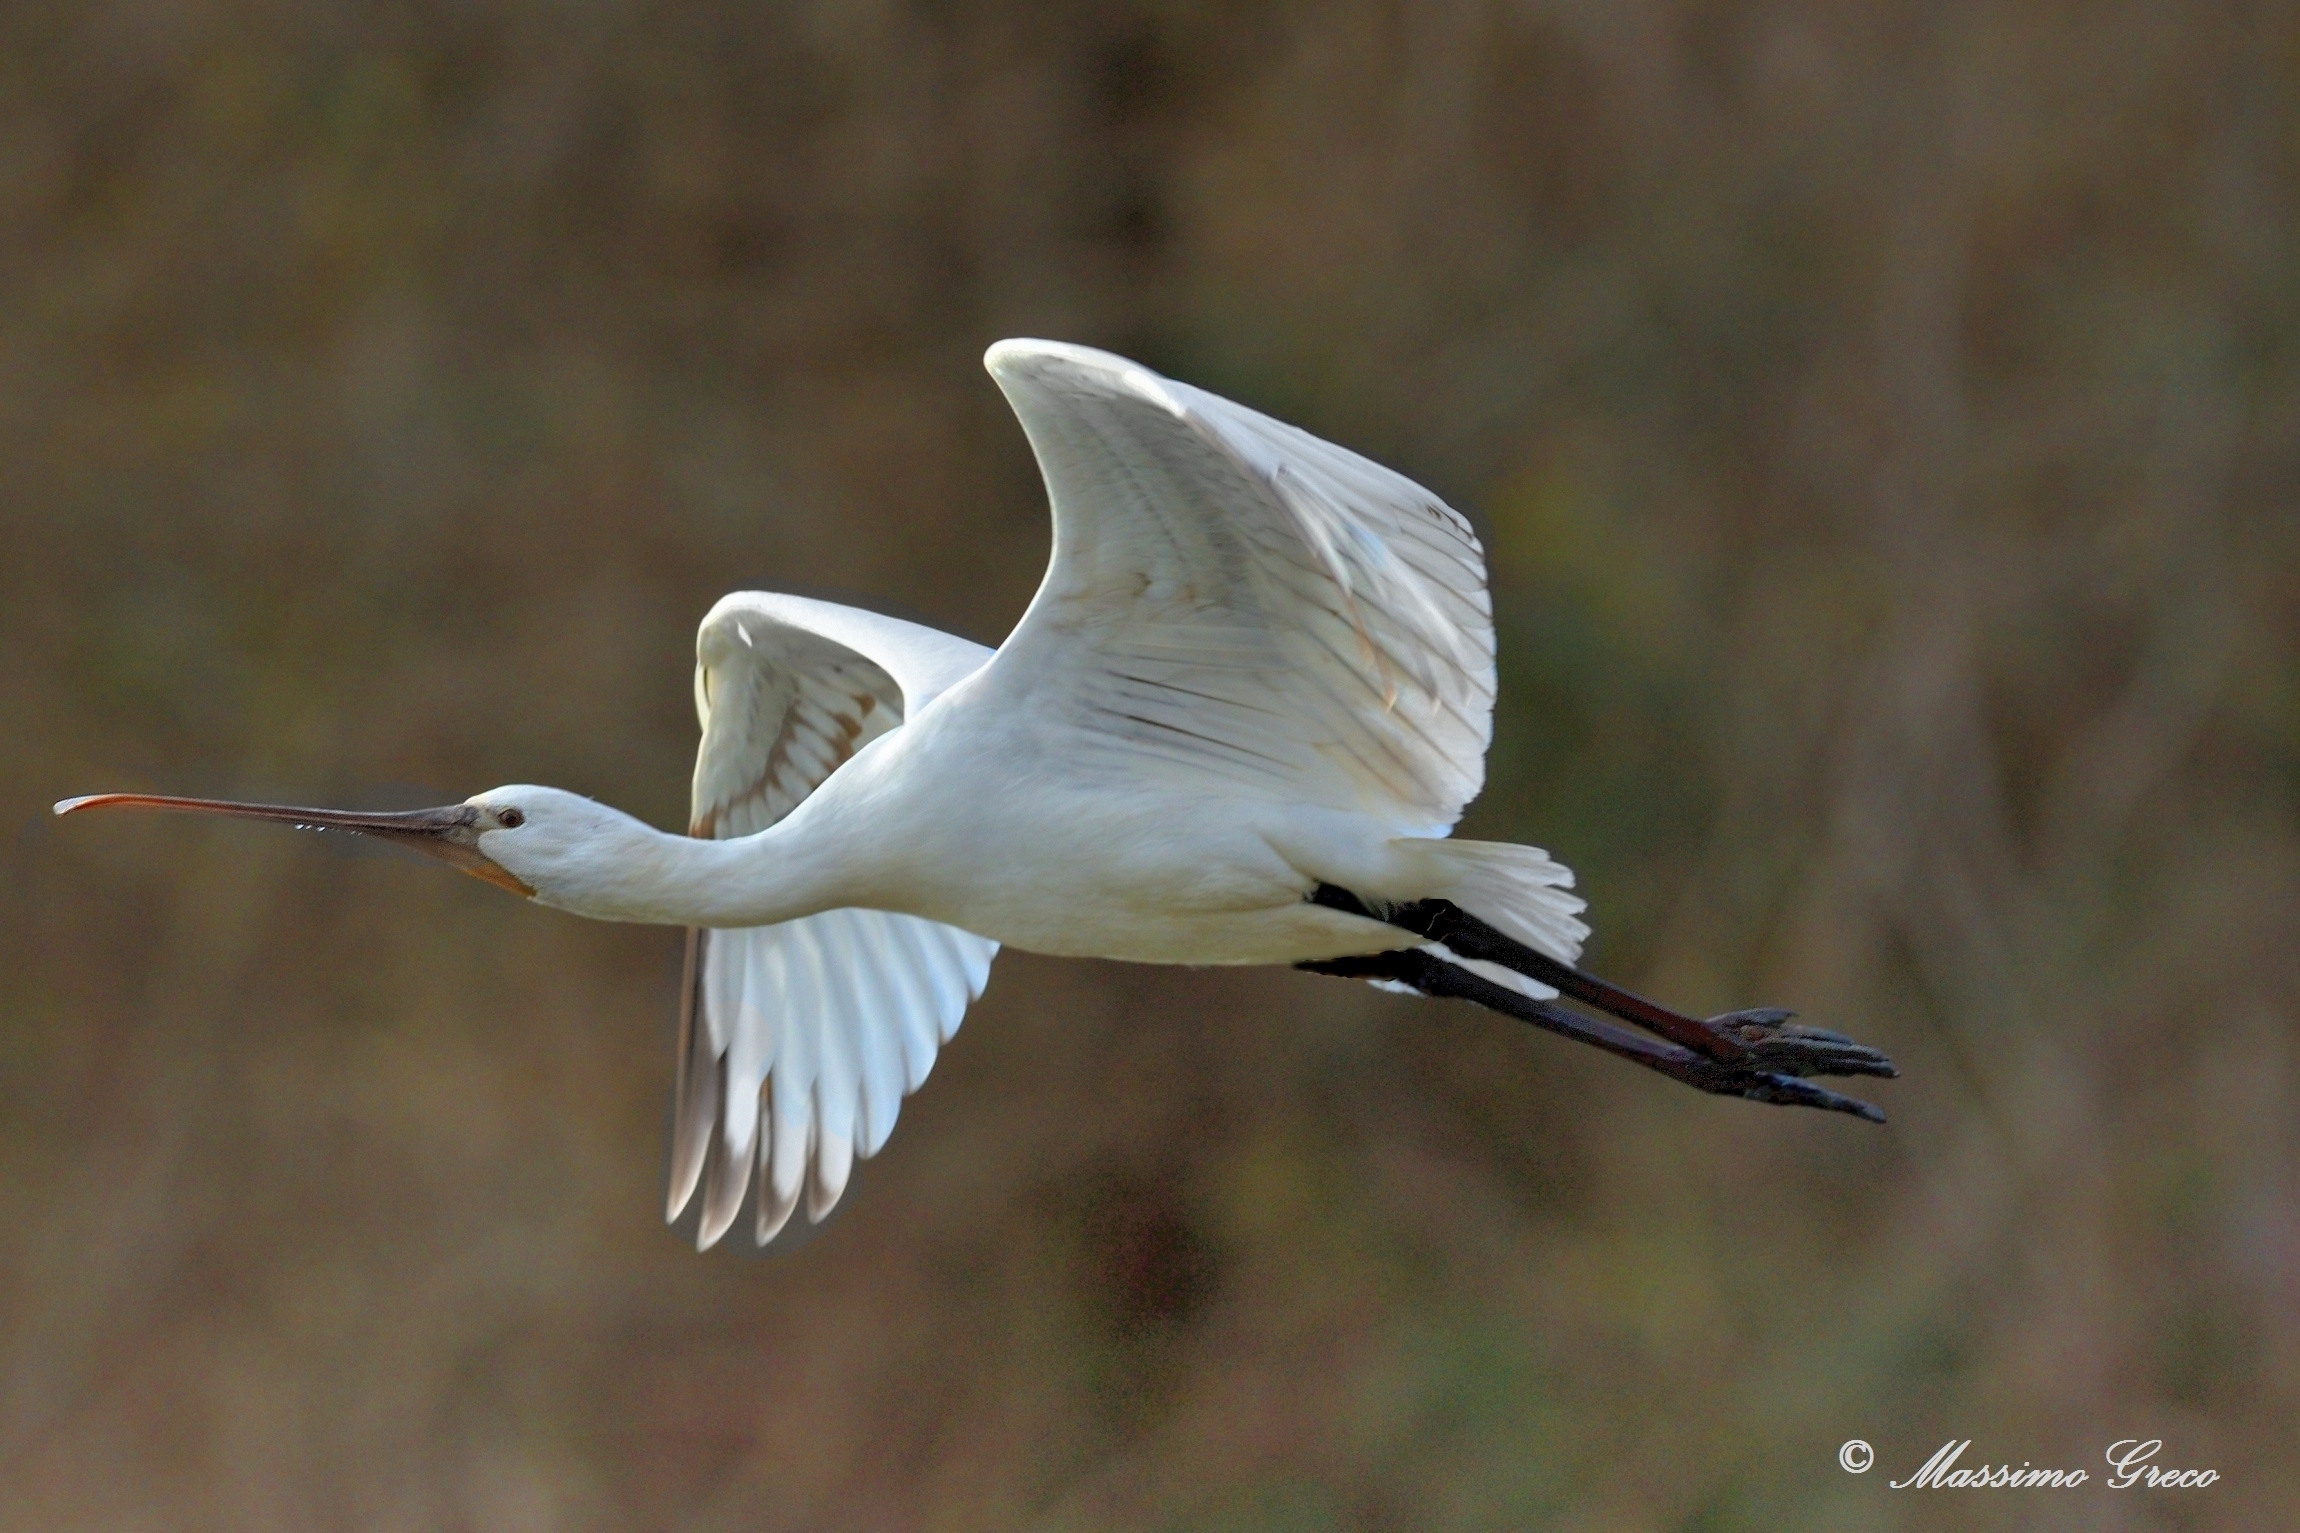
(1886, 419)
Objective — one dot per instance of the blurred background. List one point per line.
(1885, 424)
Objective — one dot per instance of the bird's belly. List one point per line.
(1278, 934)
(991, 825)
(1160, 882)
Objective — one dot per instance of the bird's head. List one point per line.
(567, 850)
(546, 844)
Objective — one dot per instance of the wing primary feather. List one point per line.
(834, 1160)
(836, 1075)
(750, 1039)
(917, 1007)
(882, 1063)
(862, 1013)
(794, 1134)
(723, 1185)
(695, 1097)
(950, 960)
(773, 1209)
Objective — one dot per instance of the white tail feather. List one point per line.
(1518, 890)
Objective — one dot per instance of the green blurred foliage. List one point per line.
(1885, 423)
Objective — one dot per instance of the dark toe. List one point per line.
(1776, 1045)
(1788, 1091)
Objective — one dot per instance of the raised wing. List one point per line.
(788, 688)
(1232, 597)
(797, 1042)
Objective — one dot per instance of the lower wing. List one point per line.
(797, 1044)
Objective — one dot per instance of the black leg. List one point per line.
(1433, 976)
(1762, 1039)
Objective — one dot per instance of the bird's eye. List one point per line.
(510, 819)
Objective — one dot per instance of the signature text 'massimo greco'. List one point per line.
(2128, 1466)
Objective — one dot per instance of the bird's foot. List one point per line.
(1776, 1044)
(1780, 1055)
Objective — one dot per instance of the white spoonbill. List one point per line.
(1235, 725)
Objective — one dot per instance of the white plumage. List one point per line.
(1236, 724)
(1233, 597)
(1236, 612)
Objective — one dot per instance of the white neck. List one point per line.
(642, 874)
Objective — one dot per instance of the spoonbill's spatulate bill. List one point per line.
(1234, 727)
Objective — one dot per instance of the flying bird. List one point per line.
(1235, 726)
